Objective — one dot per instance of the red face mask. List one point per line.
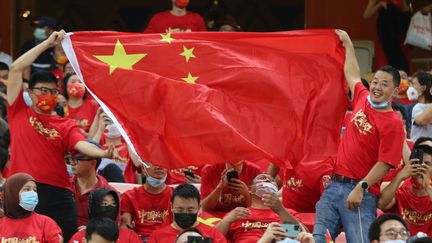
(75, 90)
(181, 3)
(46, 102)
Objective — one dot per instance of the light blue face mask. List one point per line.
(395, 241)
(39, 34)
(69, 170)
(27, 99)
(155, 182)
(28, 200)
(383, 104)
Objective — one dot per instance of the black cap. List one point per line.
(45, 21)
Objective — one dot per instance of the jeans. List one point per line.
(332, 214)
(58, 204)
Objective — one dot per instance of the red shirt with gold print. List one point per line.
(370, 136)
(149, 211)
(40, 142)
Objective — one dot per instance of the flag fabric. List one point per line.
(206, 97)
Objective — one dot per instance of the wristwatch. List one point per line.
(364, 185)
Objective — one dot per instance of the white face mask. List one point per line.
(412, 93)
(265, 187)
(112, 132)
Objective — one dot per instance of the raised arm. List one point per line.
(24, 61)
(372, 7)
(351, 67)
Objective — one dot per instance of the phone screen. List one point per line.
(188, 173)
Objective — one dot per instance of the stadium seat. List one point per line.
(122, 187)
(365, 51)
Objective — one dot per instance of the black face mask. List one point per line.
(185, 220)
(109, 211)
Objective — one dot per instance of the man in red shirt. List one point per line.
(147, 206)
(371, 145)
(40, 140)
(84, 181)
(219, 194)
(178, 19)
(185, 204)
(413, 200)
(249, 224)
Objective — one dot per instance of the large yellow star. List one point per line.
(188, 53)
(167, 38)
(190, 79)
(120, 59)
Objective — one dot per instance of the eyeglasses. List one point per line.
(184, 210)
(75, 161)
(45, 90)
(392, 234)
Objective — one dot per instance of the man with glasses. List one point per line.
(249, 224)
(413, 200)
(388, 228)
(40, 140)
(85, 180)
(185, 205)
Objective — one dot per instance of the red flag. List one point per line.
(202, 97)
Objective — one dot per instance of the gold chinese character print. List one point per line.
(361, 122)
(416, 218)
(152, 216)
(294, 184)
(49, 133)
(254, 225)
(30, 239)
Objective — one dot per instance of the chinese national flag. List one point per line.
(202, 97)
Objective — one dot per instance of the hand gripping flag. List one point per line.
(195, 98)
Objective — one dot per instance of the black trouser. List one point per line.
(58, 204)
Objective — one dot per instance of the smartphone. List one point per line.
(291, 230)
(188, 173)
(231, 175)
(198, 239)
(418, 155)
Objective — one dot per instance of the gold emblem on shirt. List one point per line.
(31, 239)
(228, 198)
(50, 133)
(294, 184)
(254, 225)
(416, 218)
(82, 123)
(361, 122)
(152, 216)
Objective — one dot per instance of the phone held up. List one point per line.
(232, 175)
(417, 154)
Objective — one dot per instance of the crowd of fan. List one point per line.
(67, 159)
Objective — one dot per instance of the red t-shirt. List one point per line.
(35, 228)
(177, 176)
(302, 190)
(82, 199)
(39, 144)
(169, 234)
(125, 236)
(210, 177)
(415, 210)
(165, 22)
(149, 211)
(83, 114)
(252, 228)
(370, 136)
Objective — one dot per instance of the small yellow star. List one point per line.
(120, 59)
(187, 53)
(167, 38)
(190, 79)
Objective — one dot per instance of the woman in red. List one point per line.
(79, 107)
(20, 223)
